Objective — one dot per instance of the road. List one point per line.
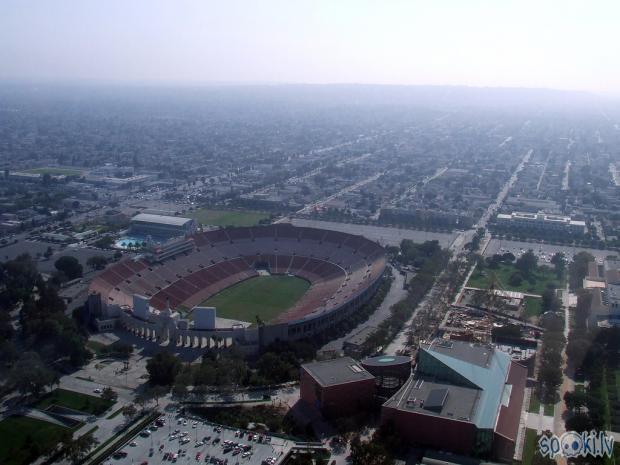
(414, 188)
(382, 234)
(394, 295)
(314, 205)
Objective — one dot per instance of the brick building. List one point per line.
(337, 387)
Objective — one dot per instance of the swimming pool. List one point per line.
(127, 242)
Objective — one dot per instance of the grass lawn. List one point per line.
(74, 400)
(59, 171)
(535, 285)
(549, 409)
(228, 217)
(265, 296)
(533, 307)
(23, 439)
(531, 439)
(114, 414)
(534, 404)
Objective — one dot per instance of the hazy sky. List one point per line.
(558, 44)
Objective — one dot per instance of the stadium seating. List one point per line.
(338, 266)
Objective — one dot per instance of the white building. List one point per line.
(162, 226)
(542, 221)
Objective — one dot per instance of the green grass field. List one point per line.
(534, 406)
(58, 171)
(228, 217)
(22, 439)
(74, 400)
(265, 296)
(535, 285)
(529, 448)
(533, 306)
(549, 409)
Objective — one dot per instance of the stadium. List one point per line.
(276, 282)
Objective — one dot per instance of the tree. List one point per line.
(157, 392)
(582, 311)
(559, 263)
(579, 422)
(180, 390)
(70, 266)
(97, 262)
(515, 279)
(48, 252)
(550, 301)
(104, 242)
(163, 368)
(578, 269)
(76, 450)
(368, 453)
(109, 394)
(527, 263)
(575, 400)
(30, 376)
(129, 411)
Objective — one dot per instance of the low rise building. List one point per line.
(337, 387)
(542, 221)
(146, 224)
(463, 398)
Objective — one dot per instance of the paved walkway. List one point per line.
(394, 295)
(568, 379)
(38, 415)
(536, 421)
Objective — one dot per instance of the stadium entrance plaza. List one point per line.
(111, 371)
(152, 449)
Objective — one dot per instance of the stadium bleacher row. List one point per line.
(338, 266)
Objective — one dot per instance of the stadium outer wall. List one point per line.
(309, 327)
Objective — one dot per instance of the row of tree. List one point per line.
(429, 259)
(550, 369)
(229, 368)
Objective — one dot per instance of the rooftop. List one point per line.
(386, 360)
(337, 371)
(477, 354)
(613, 276)
(423, 395)
(161, 219)
(478, 398)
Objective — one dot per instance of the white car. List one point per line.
(97, 391)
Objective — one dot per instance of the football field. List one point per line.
(263, 296)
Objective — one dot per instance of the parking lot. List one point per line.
(543, 251)
(177, 439)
